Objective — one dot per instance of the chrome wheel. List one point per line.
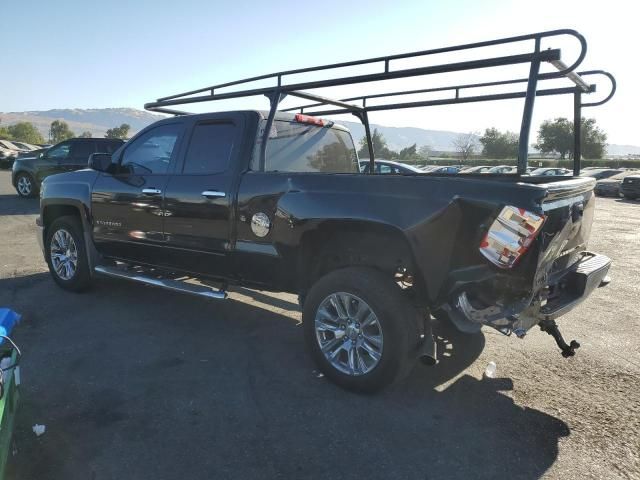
(349, 333)
(24, 186)
(64, 254)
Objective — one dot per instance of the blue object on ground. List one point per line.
(8, 319)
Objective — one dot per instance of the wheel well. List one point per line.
(52, 212)
(339, 245)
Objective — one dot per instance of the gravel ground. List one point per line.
(134, 382)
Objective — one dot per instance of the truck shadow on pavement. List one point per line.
(15, 205)
(134, 382)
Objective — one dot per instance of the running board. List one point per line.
(175, 285)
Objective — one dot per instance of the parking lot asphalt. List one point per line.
(133, 382)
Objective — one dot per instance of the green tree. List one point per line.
(25, 132)
(380, 149)
(4, 134)
(593, 140)
(409, 154)
(497, 144)
(556, 136)
(121, 132)
(86, 134)
(60, 131)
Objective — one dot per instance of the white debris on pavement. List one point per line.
(490, 371)
(38, 429)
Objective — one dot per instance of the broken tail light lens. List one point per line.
(510, 236)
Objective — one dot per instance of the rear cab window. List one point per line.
(305, 148)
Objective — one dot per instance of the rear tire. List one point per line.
(26, 185)
(370, 341)
(66, 254)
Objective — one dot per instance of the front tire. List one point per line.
(66, 254)
(26, 185)
(360, 328)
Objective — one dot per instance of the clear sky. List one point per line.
(83, 54)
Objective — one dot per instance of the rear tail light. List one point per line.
(510, 235)
(309, 119)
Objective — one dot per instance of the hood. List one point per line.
(24, 161)
(78, 176)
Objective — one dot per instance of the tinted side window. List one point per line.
(59, 151)
(210, 148)
(151, 153)
(107, 147)
(298, 147)
(82, 150)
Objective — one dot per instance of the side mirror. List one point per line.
(99, 162)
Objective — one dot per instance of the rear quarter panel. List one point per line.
(441, 218)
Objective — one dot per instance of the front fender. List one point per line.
(66, 193)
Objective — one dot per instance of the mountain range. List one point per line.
(98, 120)
(94, 120)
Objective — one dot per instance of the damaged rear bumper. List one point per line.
(562, 292)
(575, 285)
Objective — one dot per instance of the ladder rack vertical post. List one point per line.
(525, 127)
(577, 131)
(274, 100)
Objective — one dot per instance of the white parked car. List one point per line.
(551, 172)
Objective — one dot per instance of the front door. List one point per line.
(199, 198)
(128, 206)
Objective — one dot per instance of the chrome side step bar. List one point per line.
(175, 285)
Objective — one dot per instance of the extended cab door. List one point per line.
(127, 206)
(200, 195)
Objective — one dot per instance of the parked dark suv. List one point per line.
(66, 156)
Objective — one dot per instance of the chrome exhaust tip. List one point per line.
(427, 351)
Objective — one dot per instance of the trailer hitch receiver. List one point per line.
(551, 327)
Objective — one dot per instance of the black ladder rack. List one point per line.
(360, 109)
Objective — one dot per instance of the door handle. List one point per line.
(151, 191)
(213, 194)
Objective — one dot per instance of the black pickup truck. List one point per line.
(275, 200)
